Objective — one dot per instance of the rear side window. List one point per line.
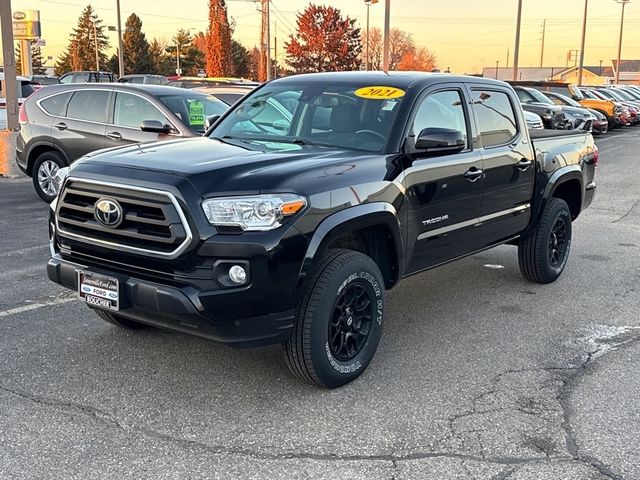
(55, 105)
(26, 89)
(496, 117)
(89, 105)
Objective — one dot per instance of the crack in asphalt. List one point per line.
(628, 212)
(566, 376)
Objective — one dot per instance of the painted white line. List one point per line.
(494, 267)
(23, 250)
(35, 306)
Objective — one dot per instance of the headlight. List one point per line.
(257, 213)
(59, 177)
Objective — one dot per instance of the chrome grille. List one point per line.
(153, 222)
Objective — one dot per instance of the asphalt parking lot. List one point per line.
(479, 375)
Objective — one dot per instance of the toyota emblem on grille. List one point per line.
(108, 212)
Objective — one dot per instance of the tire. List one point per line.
(119, 321)
(339, 320)
(44, 169)
(543, 254)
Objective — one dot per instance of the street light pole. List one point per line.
(387, 40)
(624, 4)
(120, 53)
(366, 63)
(497, 67)
(95, 40)
(584, 37)
(516, 53)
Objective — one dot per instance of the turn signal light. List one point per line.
(291, 208)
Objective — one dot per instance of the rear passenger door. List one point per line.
(507, 162)
(444, 192)
(129, 111)
(85, 122)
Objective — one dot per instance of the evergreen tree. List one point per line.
(241, 60)
(162, 62)
(36, 61)
(81, 51)
(191, 59)
(137, 58)
(218, 54)
(254, 63)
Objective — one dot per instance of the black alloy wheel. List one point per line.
(351, 323)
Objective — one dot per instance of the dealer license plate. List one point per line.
(99, 291)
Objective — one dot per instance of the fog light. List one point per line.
(238, 274)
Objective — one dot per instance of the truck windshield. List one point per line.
(352, 117)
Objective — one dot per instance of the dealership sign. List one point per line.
(26, 25)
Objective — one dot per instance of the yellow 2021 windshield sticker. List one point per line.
(379, 92)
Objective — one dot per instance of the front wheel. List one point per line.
(44, 171)
(339, 320)
(543, 254)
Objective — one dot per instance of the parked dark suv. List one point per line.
(61, 123)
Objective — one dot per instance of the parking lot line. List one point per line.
(35, 306)
(22, 251)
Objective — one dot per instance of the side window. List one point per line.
(441, 110)
(66, 78)
(524, 96)
(89, 105)
(55, 105)
(131, 111)
(496, 117)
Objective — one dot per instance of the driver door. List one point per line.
(444, 192)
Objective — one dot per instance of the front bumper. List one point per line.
(181, 309)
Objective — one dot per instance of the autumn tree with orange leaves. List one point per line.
(218, 52)
(324, 42)
(418, 60)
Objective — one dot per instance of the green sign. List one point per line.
(196, 112)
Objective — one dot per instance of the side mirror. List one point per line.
(441, 141)
(210, 120)
(154, 126)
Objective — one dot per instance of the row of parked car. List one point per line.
(62, 119)
(567, 107)
(87, 111)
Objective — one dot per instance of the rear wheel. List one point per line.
(119, 321)
(44, 171)
(339, 320)
(543, 254)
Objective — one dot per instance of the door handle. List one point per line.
(114, 136)
(524, 164)
(473, 174)
(61, 126)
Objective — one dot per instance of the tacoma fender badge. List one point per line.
(431, 221)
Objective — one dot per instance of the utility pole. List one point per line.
(120, 53)
(508, 53)
(584, 37)
(178, 71)
(387, 39)
(265, 43)
(544, 31)
(516, 53)
(497, 67)
(367, 62)
(9, 85)
(624, 4)
(275, 49)
(95, 41)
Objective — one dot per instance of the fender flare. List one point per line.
(559, 177)
(350, 219)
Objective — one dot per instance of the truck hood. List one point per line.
(213, 167)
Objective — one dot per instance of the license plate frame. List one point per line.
(99, 290)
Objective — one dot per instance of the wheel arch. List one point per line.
(372, 229)
(38, 149)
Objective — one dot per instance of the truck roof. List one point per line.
(393, 79)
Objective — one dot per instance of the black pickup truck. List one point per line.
(309, 199)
